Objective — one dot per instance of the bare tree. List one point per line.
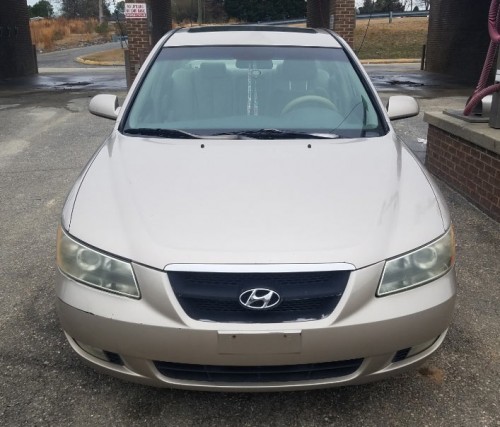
(426, 4)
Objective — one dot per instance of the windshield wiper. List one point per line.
(281, 134)
(163, 133)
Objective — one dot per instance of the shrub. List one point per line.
(102, 28)
(46, 31)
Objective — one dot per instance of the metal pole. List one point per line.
(424, 52)
(200, 12)
(495, 103)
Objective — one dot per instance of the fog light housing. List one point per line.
(405, 353)
(416, 349)
(106, 356)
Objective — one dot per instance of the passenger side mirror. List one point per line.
(105, 106)
(402, 107)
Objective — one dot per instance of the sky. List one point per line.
(32, 2)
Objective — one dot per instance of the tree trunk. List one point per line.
(101, 14)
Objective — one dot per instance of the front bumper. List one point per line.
(155, 329)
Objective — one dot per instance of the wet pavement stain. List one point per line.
(405, 83)
(75, 84)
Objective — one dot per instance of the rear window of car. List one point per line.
(208, 90)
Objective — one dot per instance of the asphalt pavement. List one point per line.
(47, 136)
(66, 58)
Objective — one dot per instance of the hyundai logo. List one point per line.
(259, 299)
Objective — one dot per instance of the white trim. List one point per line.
(260, 268)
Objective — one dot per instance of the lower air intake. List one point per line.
(258, 374)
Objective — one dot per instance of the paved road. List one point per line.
(66, 58)
(46, 136)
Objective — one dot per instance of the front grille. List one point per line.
(258, 374)
(215, 296)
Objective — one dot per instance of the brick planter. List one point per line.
(467, 157)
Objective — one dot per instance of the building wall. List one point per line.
(16, 51)
(458, 38)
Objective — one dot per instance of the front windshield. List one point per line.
(213, 90)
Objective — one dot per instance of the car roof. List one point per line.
(259, 35)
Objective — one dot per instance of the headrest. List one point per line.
(213, 69)
(265, 64)
(299, 70)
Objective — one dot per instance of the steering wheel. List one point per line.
(294, 103)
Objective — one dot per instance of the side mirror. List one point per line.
(105, 106)
(402, 107)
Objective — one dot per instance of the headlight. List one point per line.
(418, 267)
(94, 268)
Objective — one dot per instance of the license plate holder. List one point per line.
(262, 342)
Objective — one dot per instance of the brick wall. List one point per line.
(468, 168)
(16, 50)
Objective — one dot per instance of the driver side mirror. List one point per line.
(402, 107)
(105, 106)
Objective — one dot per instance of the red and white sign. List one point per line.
(135, 11)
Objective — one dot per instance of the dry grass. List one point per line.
(114, 56)
(403, 38)
(46, 34)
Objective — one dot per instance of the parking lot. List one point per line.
(46, 137)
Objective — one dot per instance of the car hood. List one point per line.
(161, 201)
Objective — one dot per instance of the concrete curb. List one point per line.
(391, 61)
(82, 60)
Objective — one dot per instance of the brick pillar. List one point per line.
(317, 13)
(458, 38)
(139, 42)
(344, 19)
(337, 15)
(161, 17)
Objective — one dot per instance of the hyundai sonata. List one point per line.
(253, 223)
